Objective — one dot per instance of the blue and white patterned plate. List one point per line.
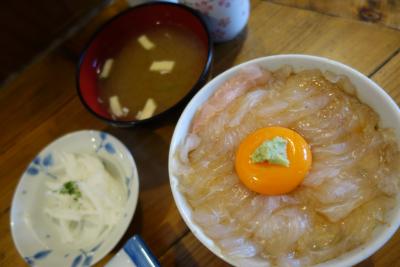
(32, 231)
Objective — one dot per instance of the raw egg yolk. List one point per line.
(271, 179)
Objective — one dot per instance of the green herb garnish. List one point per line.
(272, 151)
(71, 188)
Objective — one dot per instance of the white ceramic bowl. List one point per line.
(32, 232)
(367, 91)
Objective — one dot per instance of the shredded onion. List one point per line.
(85, 201)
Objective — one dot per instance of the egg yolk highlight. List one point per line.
(271, 179)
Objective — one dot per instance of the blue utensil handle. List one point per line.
(135, 253)
(139, 253)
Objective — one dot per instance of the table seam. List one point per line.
(380, 66)
(185, 233)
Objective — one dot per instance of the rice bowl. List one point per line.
(375, 97)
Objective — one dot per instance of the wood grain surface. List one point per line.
(30, 27)
(389, 77)
(41, 105)
(385, 12)
(276, 29)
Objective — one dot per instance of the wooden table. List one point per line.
(41, 105)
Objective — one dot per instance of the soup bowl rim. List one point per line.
(201, 80)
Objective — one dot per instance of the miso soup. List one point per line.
(153, 70)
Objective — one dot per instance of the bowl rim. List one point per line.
(361, 252)
(135, 183)
(198, 84)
